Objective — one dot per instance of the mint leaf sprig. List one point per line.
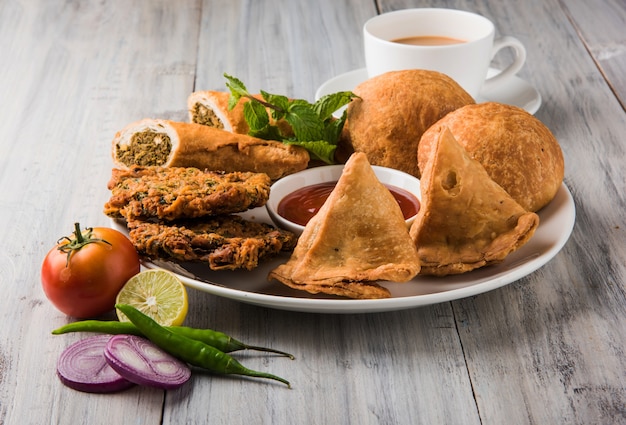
(313, 125)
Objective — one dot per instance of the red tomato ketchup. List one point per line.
(302, 204)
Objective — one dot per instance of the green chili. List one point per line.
(194, 352)
(216, 339)
(100, 326)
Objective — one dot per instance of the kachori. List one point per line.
(518, 151)
(392, 112)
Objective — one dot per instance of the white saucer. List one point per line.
(518, 92)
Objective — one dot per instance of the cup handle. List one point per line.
(520, 57)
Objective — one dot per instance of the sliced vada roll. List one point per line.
(164, 143)
(210, 108)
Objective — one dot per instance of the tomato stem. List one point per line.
(68, 245)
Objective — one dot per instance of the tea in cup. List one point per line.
(454, 42)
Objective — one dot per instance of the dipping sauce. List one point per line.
(302, 204)
(428, 40)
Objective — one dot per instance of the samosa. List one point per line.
(358, 237)
(466, 220)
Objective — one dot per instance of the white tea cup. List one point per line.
(457, 43)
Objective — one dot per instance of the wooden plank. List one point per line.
(602, 31)
(76, 73)
(402, 367)
(545, 350)
(281, 47)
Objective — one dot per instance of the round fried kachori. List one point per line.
(518, 151)
(393, 111)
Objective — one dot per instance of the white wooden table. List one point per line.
(549, 348)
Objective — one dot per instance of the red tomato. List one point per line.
(85, 283)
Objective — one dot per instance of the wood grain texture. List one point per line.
(77, 72)
(546, 349)
(281, 46)
(602, 31)
(552, 353)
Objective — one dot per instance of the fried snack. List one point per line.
(393, 111)
(466, 220)
(153, 142)
(174, 193)
(358, 237)
(225, 242)
(210, 108)
(518, 151)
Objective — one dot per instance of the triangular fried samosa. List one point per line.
(358, 237)
(466, 220)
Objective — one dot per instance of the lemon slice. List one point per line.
(156, 293)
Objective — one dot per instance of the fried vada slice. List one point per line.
(466, 220)
(517, 150)
(154, 142)
(210, 107)
(392, 112)
(358, 237)
(225, 242)
(171, 193)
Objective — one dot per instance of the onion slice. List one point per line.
(82, 366)
(142, 362)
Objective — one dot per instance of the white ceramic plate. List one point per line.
(557, 222)
(517, 93)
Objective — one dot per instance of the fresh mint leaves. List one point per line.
(313, 124)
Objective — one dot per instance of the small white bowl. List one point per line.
(331, 173)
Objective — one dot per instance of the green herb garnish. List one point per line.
(313, 124)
